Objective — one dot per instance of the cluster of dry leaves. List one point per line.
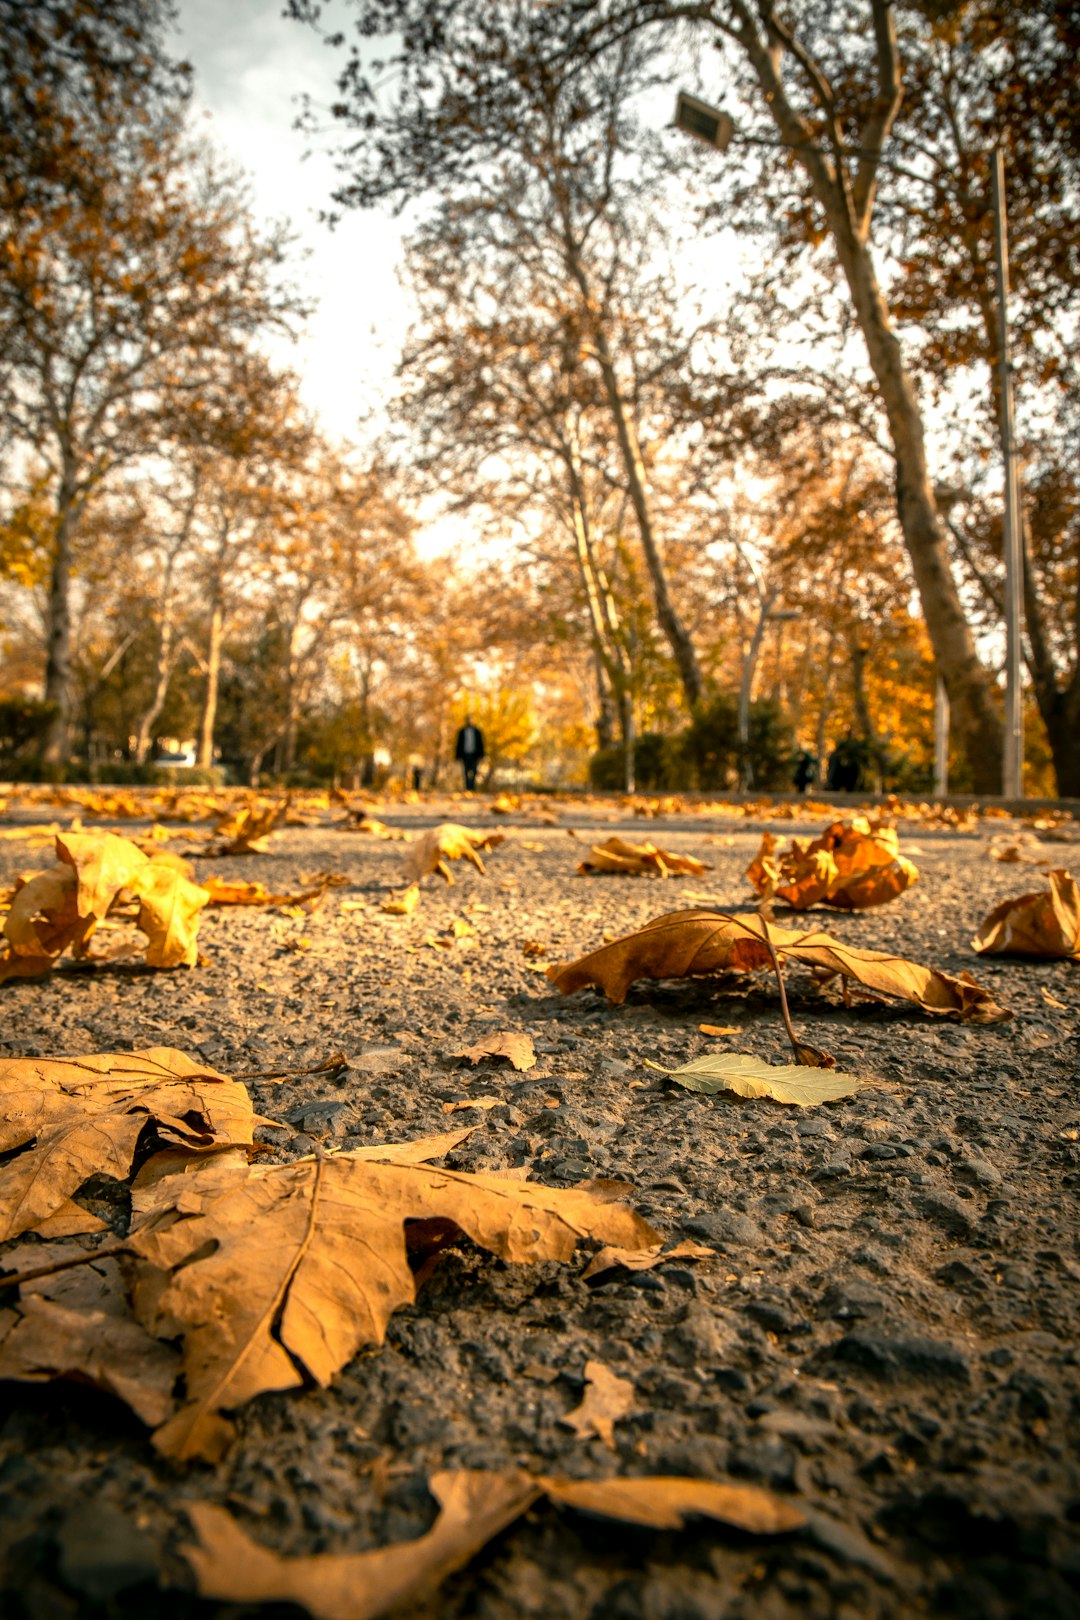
(234, 1278)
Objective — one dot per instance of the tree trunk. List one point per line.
(205, 757)
(746, 685)
(637, 484)
(976, 719)
(57, 745)
(163, 668)
(848, 209)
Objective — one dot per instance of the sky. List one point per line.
(251, 64)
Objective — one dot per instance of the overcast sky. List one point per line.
(250, 66)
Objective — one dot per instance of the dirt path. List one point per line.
(888, 1328)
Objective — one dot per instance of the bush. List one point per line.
(771, 747)
(654, 765)
(125, 773)
(23, 724)
(709, 746)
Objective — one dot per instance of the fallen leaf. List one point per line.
(230, 892)
(608, 1259)
(247, 831)
(634, 860)
(403, 904)
(749, 1076)
(278, 1275)
(84, 1116)
(376, 828)
(472, 1102)
(666, 1502)
(1045, 925)
(1013, 849)
(474, 1507)
(607, 1398)
(518, 1050)
(45, 1339)
(1052, 1000)
(445, 843)
(719, 1029)
(169, 907)
(852, 865)
(684, 944)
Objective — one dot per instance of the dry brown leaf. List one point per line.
(377, 829)
(636, 860)
(516, 1048)
(85, 1115)
(90, 1338)
(1052, 1000)
(607, 1398)
(1045, 925)
(719, 1029)
(445, 843)
(247, 831)
(685, 944)
(276, 1275)
(533, 948)
(472, 1102)
(609, 1259)
(403, 904)
(666, 1502)
(474, 1507)
(852, 865)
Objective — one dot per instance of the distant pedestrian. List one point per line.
(805, 769)
(469, 749)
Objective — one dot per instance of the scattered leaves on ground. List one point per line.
(685, 944)
(474, 1507)
(610, 1259)
(852, 865)
(1045, 924)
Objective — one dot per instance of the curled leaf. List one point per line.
(684, 944)
(1045, 925)
(445, 843)
(851, 866)
(616, 855)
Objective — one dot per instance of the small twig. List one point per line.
(336, 1060)
(20, 1277)
(778, 970)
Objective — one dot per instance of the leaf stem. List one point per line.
(106, 1253)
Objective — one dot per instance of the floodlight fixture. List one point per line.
(711, 125)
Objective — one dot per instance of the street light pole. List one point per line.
(1013, 763)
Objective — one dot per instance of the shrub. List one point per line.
(23, 724)
(654, 765)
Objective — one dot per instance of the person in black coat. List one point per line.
(469, 749)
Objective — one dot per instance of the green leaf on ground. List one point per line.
(749, 1076)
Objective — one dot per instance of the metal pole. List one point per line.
(941, 740)
(1013, 762)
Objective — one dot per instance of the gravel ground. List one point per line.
(887, 1330)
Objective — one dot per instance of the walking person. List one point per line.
(469, 749)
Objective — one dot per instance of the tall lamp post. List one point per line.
(715, 128)
(1013, 764)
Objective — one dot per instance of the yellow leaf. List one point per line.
(169, 907)
(851, 866)
(749, 1076)
(403, 904)
(634, 860)
(448, 842)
